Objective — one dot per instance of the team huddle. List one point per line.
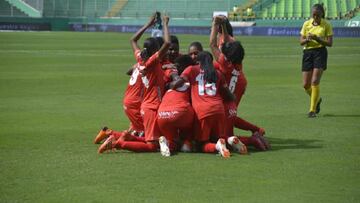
(185, 102)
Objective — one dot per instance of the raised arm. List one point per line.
(130, 71)
(165, 47)
(213, 38)
(134, 39)
(224, 30)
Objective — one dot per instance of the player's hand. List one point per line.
(313, 37)
(152, 20)
(218, 20)
(142, 72)
(166, 19)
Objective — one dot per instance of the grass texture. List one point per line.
(57, 89)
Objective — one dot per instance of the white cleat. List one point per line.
(237, 145)
(221, 147)
(164, 146)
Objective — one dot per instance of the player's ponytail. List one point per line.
(229, 27)
(206, 63)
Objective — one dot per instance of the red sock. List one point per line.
(209, 147)
(129, 137)
(245, 140)
(244, 125)
(136, 138)
(117, 134)
(137, 146)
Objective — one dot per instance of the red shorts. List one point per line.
(134, 115)
(211, 125)
(152, 132)
(176, 123)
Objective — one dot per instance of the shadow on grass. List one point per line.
(276, 144)
(281, 144)
(343, 115)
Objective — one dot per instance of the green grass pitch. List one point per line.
(57, 89)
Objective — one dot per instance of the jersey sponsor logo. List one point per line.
(167, 114)
(232, 113)
(233, 80)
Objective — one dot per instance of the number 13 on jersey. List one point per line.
(205, 88)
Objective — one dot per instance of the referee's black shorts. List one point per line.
(314, 58)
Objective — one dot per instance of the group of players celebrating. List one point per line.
(177, 102)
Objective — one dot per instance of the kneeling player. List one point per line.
(175, 114)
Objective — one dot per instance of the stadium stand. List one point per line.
(285, 13)
(177, 9)
(290, 9)
(77, 8)
(8, 10)
(116, 8)
(180, 9)
(24, 7)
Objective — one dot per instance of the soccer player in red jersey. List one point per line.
(174, 48)
(208, 88)
(229, 59)
(131, 104)
(153, 79)
(132, 101)
(175, 114)
(194, 49)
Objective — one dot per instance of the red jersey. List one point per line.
(153, 80)
(205, 97)
(178, 99)
(234, 76)
(133, 92)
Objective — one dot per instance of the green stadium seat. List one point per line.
(302, 8)
(25, 8)
(280, 9)
(273, 11)
(343, 8)
(5, 10)
(289, 8)
(298, 8)
(306, 8)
